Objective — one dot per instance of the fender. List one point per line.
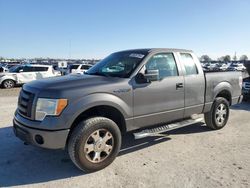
(8, 77)
(98, 99)
(222, 86)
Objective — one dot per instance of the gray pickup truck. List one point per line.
(145, 90)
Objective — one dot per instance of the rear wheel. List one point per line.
(8, 84)
(218, 116)
(94, 144)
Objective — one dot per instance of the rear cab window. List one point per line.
(189, 64)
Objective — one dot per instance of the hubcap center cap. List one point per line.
(99, 146)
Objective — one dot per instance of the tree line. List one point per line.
(226, 58)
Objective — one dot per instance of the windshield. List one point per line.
(120, 64)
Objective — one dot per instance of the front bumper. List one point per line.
(41, 138)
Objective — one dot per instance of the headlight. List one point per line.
(52, 107)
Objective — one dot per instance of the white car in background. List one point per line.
(22, 74)
(78, 68)
(240, 67)
(3, 69)
(237, 67)
(223, 66)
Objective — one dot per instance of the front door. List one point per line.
(161, 100)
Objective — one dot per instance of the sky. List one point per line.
(96, 28)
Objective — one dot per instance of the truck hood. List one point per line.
(70, 82)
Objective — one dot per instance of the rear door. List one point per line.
(194, 81)
(41, 72)
(26, 74)
(162, 100)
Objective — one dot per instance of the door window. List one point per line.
(27, 69)
(164, 63)
(189, 64)
(34, 69)
(40, 69)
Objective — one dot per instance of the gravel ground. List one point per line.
(191, 157)
(10, 92)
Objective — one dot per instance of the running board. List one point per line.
(158, 130)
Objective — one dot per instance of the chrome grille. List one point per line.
(25, 102)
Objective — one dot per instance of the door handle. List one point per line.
(179, 85)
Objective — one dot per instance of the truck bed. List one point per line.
(214, 81)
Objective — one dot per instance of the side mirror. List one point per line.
(149, 76)
(152, 75)
(141, 79)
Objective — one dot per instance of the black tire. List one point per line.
(7, 84)
(82, 133)
(213, 118)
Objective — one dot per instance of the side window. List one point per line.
(74, 66)
(189, 64)
(85, 67)
(40, 69)
(28, 69)
(164, 63)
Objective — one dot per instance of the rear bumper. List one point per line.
(236, 100)
(40, 138)
(246, 92)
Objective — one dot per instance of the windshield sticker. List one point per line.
(140, 56)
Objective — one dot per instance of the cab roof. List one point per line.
(149, 50)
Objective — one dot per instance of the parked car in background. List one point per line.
(223, 67)
(246, 88)
(61, 70)
(3, 69)
(12, 65)
(78, 68)
(236, 67)
(22, 74)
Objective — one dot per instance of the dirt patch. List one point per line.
(10, 92)
(193, 156)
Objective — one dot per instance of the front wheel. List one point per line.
(8, 84)
(218, 116)
(94, 144)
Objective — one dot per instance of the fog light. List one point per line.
(39, 139)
